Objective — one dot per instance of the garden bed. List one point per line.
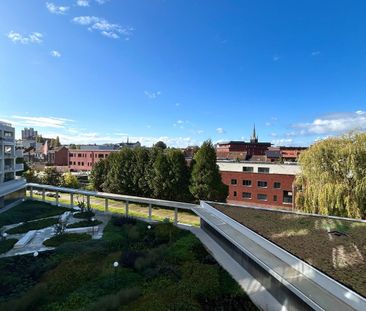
(66, 238)
(336, 247)
(7, 245)
(159, 268)
(33, 225)
(85, 223)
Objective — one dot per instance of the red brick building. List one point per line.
(240, 150)
(259, 184)
(83, 160)
(58, 156)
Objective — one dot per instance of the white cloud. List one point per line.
(41, 121)
(152, 95)
(220, 130)
(315, 53)
(104, 27)
(82, 3)
(276, 58)
(334, 123)
(282, 142)
(16, 37)
(55, 53)
(101, 1)
(54, 9)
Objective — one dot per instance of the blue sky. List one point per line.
(182, 70)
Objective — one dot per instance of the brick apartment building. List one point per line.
(58, 156)
(83, 160)
(259, 184)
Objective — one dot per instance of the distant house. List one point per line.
(58, 156)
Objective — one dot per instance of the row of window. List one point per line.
(80, 163)
(260, 196)
(250, 169)
(260, 184)
(84, 155)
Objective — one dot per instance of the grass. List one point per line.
(84, 215)
(66, 238)
(34, 225)
(341, 257)
(136, 210)
(164, 268)
(7, 245)
(30, 210)
(85, 223)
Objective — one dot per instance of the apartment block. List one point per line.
(11, 188)
(83, 160)
(259, 184)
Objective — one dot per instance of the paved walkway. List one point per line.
(319, 295)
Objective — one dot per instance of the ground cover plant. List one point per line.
(85, 223)
(160, 268)
(29, 210)
(33, 225)
(57, 240)
(6, 245)
(340, 254)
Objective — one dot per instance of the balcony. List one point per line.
(19, 167)
(8, 168)
(8, 155)
(19, 153)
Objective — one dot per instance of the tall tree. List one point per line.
(31, 176)
(160, 144)
(98, 174)
(333, 179)
(206, 183)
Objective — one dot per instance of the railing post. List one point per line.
(71, 200)
(56, 198)
(106, 205)
(150, 211)
(176, 215)
(43, 194)
(126, 208)
(31, 192)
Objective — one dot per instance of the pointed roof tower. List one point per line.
(254, 138)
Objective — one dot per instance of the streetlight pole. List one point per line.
(115, 266)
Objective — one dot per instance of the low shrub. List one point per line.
(86, 214)
(123, 220)
(7, 245)
(85, 223)
(66, 238)
(129, 257)
(34, 225)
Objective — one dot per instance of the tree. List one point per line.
(206, 183)
(31, 176)
(52, 177)
(57, 142)
(98, 174)
(333, 179)
(72, 146)
(70, 181)
(160, 144)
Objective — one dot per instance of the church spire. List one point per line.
(254, 138)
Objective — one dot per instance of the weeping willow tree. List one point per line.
(333, 177)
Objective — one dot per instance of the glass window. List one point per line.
(262, 184)
(246, 195)
(234, 194)
(233, 182)
(275, 198)
(247, 169)
(262, 197)
(263, 169)
(277, 185)
(247, 183)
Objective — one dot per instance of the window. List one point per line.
(79, 155)
(275, 198)
(287, 197)
(71, 155)
(246, 195)
(247, 183)
(262, 184)
(70, 163)
(82, 163)
(247, 169)
(277, 185)
(263, 169)
(262, 197)
(234, 194)
(233, 182)
(78, 163)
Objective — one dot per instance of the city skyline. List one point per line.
(99, 71)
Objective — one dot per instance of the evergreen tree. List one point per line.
(206, 181)
(98, 174)
(333, 179)
(160, 144)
